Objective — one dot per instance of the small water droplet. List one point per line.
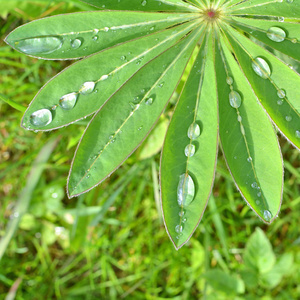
(294, 41)
(267, 215)
(239, 118)
(276, 34)
(87, 88)
(103, 77)
(95, 31)
(181, 213)
(298, 134)
(106, 29)
(41, 117)
(68, 101)
(184, 220)
(249, 159)
(281, 19)
(190, 150)
(178, 228)
(40, 45)
(123, 57)
(257, 202)
(140, 128)
(185, 190)
(261, 68)
(95, 38)
(281, 93)
(235, 99)
(194, 131)
(149, 101)
(280, 102)
(161, 84)
(144, 3)
(288, 118)
(289, 1)
(258, 194)
(229, 80)
(54, 107)
(75, 44)
(254, 185)
(242, 128)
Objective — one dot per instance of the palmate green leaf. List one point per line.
(289, 9)
(118, 64)
(187, 154)
(284, 38)
(276, 88)
(250, 146)
(143, 5)
(108, 140)
(80, 34)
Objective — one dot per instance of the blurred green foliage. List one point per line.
(111, 243)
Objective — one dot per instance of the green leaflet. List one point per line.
(143, 5)
(278, 93)
(268, 8)
(192, 155)
(284, 38)
(80, 34)
(250, 146)
(135, 108)
(110, 69)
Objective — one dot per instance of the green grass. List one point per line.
(111, 243)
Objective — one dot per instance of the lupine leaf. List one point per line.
(144, 5)
(278, 93)
(117, 63)
(250, 147)
(108, 141)
(80, 34)
(268, 8)
(198, 96)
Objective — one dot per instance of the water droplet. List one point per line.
(123, 57)
(298, 134)
(149, 101)
(257, 202)
(190, 150)
(161, 84)
(87, 88)
(185, 190)
(184, 220)
(288, 118)
(281, 93)
(194, 131)
(144, 3)
(254, 185)
(40, 45)
(276, 34)
(281, 19)
(258, 194)
(294, 41)
(181, 213)
(54, 107)
(280, 102)
(41, 117)
(140, 128)
(239, 118)
(242, 130)
(68, 101)
(103, 77)
(235, 99)
(261, 68)
(229, 80)
(95, 38)
(249, 159)
(96, 30)
(289, 1)
(75, 44)
(178, 228)
(105, 29)
(267, 215)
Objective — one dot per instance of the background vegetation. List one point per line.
(111, 243)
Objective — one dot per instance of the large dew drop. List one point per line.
(267, 215)
(190, 150)
(87, 88)
(68, 101)
(193, 131)
(261, 68)
(41, 117)
(235, 99)
(185, 190)
(39, 45)
(276, 34)
(75, 44)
